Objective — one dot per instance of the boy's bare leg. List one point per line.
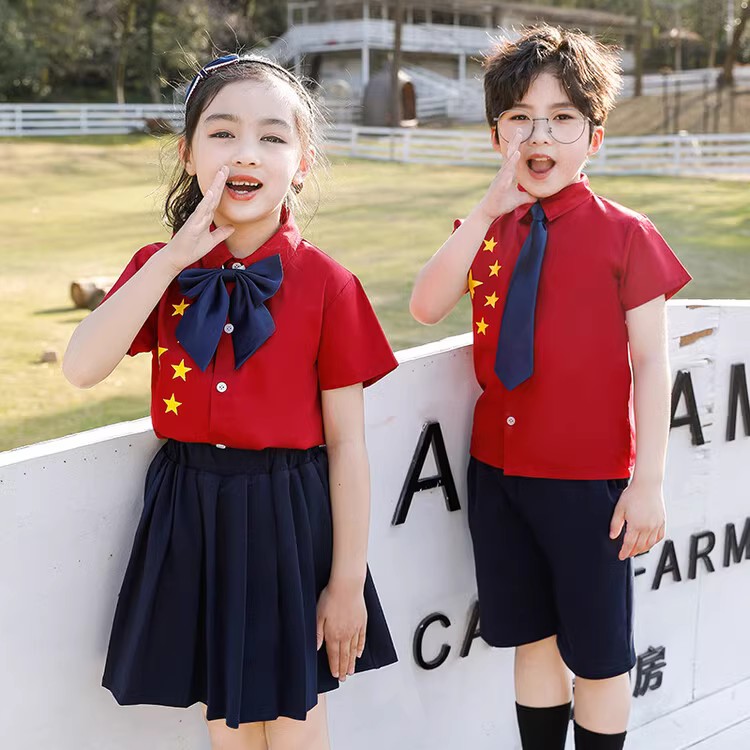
(542, 679)
(603, 706)
(310, 734)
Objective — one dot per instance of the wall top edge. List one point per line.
(138, 427)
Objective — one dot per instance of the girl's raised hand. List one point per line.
(194, 239)
(503, 195)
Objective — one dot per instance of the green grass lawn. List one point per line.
(72, 208)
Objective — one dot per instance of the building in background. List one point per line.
(341, 44)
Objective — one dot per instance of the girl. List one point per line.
(242, 567)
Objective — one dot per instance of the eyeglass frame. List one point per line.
(498, 135)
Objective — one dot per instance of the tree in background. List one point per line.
(104, 50)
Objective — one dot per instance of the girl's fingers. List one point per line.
(361, 642)
(352, 653)
(219, 235)
(343, 660)
(319, 632)
(333, 657)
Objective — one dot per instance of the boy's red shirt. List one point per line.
(573, 418)
(327, 336)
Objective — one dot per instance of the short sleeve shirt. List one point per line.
(327, 336)
(572, 418)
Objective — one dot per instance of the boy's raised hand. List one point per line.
(503, 195)
(194, 239)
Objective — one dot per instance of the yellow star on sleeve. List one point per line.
(160, 351)
(489, 245)
(495, 268)
(491, 301)
(180, 309)
(172, 404)
(180, 370)
(481, 326)
(473, 284)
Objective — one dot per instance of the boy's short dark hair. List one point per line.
(588, 70)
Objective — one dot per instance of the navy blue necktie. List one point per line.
(514, 360)
(203, 321)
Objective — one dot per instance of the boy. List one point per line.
(565, 287)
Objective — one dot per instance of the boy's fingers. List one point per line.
(361, 642)
(628, 544)
(615, 525)
(319, 630)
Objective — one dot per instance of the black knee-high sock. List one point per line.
(543, 728)
(588, 740)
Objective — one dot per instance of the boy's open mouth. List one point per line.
(540, 165)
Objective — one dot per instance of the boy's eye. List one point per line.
(519, 117)
(563, 116)
(221, 134)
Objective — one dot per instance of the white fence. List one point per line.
(687, 154)
(652, 154)
(83, 119)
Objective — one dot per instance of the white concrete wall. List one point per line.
(68, 509)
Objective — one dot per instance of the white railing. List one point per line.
(650, 154)
(653, 84)
(84, 119)
(653, 154)
(378, 34)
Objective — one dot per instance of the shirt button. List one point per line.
(238, 266)
(221, 387)
(220, 445)
(511, 421)
(228, 328)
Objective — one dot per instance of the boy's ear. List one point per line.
(185, 156)
(597, 138)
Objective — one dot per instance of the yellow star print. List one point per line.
(160, 351)
(172, 404)
(180, 309)
(495, 268)
(473, 284)
(490, 245)
(481, 326)
(491, 301)
(180, 370)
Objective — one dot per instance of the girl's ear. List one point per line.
(305, 165)
(597, 138)
(306, 162)
(185, 156)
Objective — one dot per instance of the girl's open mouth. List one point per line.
(242, 190)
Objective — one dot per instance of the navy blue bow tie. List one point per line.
(203, 321)
(514, 360)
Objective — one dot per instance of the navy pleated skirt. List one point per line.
(219, 599)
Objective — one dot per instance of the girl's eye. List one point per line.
(272, 139)
(221, 134)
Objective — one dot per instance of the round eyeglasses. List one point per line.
(563, 125)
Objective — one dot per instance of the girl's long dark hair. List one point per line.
(183, 192)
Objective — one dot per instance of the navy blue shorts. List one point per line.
(546, 566)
